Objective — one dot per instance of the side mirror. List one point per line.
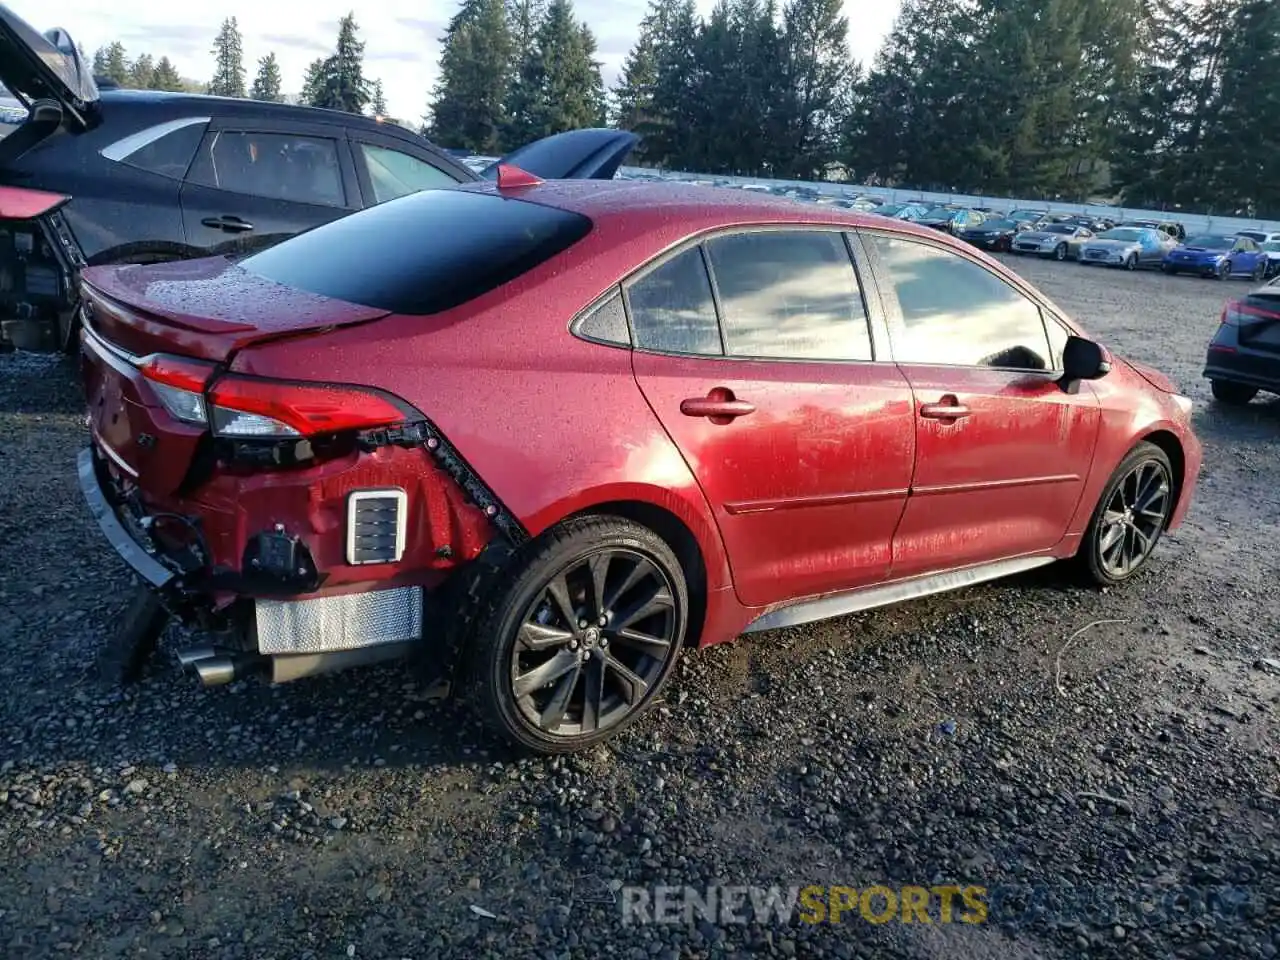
(1082, 360)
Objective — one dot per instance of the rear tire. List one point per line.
(564, 624)
(1130, 516)
(1235, 394)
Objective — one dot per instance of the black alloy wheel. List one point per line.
(578, 645)
(1131, 515)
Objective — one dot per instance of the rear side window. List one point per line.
(277, 166)
(424, 253)
(673, 310)
(166, 149)
(789, 295)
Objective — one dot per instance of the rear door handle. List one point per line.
(719, 404)
(948, 408)
(228, 223)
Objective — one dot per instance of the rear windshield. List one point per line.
(422, 253)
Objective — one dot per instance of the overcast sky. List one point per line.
(401, 37)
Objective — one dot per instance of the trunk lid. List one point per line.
(45, 66)
(207, 308)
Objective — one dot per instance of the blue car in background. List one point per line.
(902, 211)
(1219, 256)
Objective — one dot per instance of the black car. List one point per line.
(1244, 354)
(141, 176)
(993, 234)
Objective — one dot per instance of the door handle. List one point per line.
(228, 223)
(719, 405)
(948, 408)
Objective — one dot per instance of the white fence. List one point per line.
(1195, 223)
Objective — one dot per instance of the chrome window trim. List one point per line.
(125, 147)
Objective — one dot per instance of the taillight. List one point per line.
(249, 407)
(179, 383)
(254, 407)
(1231, 314)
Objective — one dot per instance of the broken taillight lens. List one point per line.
(258, 408)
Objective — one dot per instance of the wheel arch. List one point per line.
(1168, 442)
(683, 542)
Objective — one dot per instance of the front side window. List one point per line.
(789, 295)
(277, 166)
(955, 312)
(394, 174)
(673, 310)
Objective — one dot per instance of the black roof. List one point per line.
(244, 107)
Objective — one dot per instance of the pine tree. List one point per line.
(633, 96)
(111, 62)
(313, 83)
(228, 53)
(670, 138)
(565, 75)
(467, 103)
(142, 73)
(377, 99)
(266, 85)
(343, 86)
(524, 17)
(166, 76)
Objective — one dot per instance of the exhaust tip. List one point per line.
(215, 671)
(194, 655)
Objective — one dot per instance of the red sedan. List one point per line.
(549, 434)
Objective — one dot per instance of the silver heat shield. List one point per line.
(345, 622)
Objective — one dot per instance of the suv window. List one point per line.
(165, 149)
(672, 308)
(789, 294)
(955, 312)
(424, 253)
(395, 174)
(278, 166)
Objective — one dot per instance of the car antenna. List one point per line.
(511, 177)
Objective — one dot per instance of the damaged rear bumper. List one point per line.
(282, 638)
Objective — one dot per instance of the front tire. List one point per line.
(1060, 252)
(578, 642)
(1130, 516)
(1131, 262)
(1260, 271)
(1224, 270)
(1236, 394)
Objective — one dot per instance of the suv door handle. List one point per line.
(719, 405)
(948, 408)
(228, 223)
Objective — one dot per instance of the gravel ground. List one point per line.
(1116, 799)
